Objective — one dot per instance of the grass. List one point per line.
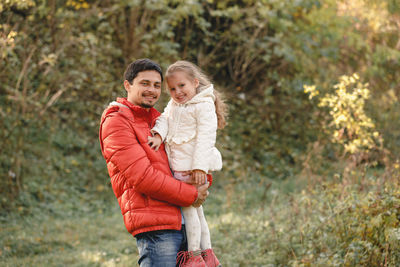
(237, 217)
(92, 240)
(99, 238)
(344, 222)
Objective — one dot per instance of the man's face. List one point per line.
(145, 89)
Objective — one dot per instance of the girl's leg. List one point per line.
(207, 252)
(205, 232)
(193, 228)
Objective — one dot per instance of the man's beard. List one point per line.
(145, 105)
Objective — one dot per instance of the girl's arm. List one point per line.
(161, 126)
(160, 129)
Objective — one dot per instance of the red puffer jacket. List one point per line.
(149, 197)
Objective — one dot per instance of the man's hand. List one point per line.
(202, 194)
(154, 141)
(199, 177)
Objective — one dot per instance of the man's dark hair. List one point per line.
(139, 65)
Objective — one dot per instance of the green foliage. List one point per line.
(16, 4)
(335, 222)
(349, 125)
(61, 62)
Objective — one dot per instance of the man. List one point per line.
(149, 197)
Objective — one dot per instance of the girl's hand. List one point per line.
(154, 141)
(199, 177)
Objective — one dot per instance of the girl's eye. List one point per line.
(182, 85)
(172, 89)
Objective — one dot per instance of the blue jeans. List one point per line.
(159, 248)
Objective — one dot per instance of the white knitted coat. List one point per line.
(189, 131)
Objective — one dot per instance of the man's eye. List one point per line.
(144, 83)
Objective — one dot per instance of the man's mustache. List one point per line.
(149, 94)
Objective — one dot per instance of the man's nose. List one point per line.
(153, 87)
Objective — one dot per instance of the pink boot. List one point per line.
(210, 258)
(190, 259)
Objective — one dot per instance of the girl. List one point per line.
(188, 126)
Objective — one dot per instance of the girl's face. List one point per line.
(181, 88)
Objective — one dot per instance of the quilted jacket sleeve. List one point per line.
(206, 120)
(125, 154)
(161, 126)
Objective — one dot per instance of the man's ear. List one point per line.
(127, 85)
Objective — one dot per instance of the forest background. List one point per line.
(311, 152)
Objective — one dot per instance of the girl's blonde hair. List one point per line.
(195, 72)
